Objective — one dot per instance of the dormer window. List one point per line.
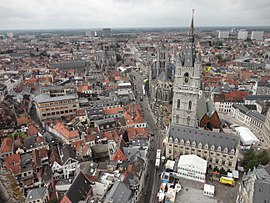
(212, 148)
(232, 152)
(170, 139)
(206, 146)
(200, 145)
(225, 150)
(182, 142)
(219, 148)
(193, 144)
(187, 142)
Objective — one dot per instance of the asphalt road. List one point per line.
(153, 180)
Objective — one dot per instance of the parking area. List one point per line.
(192, 192)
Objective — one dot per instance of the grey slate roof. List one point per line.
(241, 108)
(205, 106)
(261, 191)
(41, 98)
(29, 142)
(257, 97)
(205, 137)
(119, 193)
(257, 115)
(69, 64)
(163, 77)
(68, 152)
(79, 188)
(26, 162)
(36, 193)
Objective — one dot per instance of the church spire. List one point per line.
(191, 29)
(189, 58)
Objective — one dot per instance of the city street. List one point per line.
(153, 180)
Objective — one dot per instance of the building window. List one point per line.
(188, 120)
(177, 119)
(178, 103)
(189, 105)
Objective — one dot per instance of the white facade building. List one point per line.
(223, 34)
(192, 167)
(242, 34)
(257, 35)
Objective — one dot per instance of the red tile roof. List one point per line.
(7, 145)
(139, 119)
(32, 130)
(39, 139)
(119, 155)
(63, 130)
(80, 112)
(113, 110)
(22, 120)
(128, 118)
(236, 95)
(13, 162)
(78, 144)
(43, 153)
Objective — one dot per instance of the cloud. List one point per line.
(21, 14)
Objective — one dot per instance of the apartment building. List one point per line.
(49, 107)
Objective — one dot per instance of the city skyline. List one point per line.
(60, 14)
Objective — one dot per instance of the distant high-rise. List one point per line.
(107, 32)
(257, 35)
(223, 34)
(90, 33)
(10, 34)
(242, 34)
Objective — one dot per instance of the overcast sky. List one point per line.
(43, 14)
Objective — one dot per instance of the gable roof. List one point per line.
(63, 130)
(119, 193)
(54, 155)
(119, 155)
(13, 162)
(80, 189)
(68, 152)
(36, 193)
(7, 145)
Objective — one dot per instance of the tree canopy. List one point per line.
(253, 159)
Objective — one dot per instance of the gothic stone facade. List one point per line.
(219, 149)
(160, 77)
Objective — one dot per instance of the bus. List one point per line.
(227, 180)
(158, 153)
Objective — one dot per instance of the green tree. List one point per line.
(252, 159)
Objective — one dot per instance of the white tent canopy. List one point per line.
(169, 164)
(247, 137)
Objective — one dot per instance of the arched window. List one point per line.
(188, 120)
(178, 103)
(177, 118)
(189, 105)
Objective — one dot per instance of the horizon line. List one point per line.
(117, 28)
